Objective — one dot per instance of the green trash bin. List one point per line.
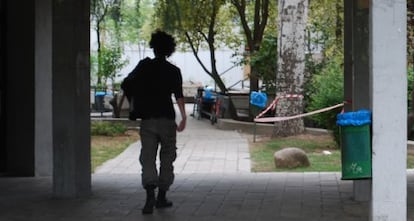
(355, 141)
(356, 152)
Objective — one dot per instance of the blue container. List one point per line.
(258, 99)
(358, 118)
(100, 93)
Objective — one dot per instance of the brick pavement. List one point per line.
(201, 149)
(213, 182)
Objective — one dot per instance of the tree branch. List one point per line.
(195, 52)
(241, 9)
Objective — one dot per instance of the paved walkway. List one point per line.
(213, 182)
(201, 149)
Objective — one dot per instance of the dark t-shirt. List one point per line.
(153, 82)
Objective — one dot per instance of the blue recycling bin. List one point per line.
(258, 101)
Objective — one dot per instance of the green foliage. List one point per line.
(265, 62)
(327, 90)
(136, 23)
(111, 19)
(410, 81)
(107, 129)
(324, 77)
(253, 19)
(325, 21)
(197, 25)
(112, 62)
(410, 32)
(94, 67)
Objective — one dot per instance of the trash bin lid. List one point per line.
(100, 93)
(357, 118)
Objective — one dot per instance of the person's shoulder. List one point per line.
(173, 66)
(144, 61)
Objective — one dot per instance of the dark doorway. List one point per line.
(2, 90)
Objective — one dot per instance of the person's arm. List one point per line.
(181, 107)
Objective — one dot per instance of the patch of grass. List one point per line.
(410, 161)
(262, 153)
(104, 148)
(107, 128)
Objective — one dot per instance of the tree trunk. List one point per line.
(291, 64)
(116, 112)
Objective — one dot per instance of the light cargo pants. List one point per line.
(154, 133)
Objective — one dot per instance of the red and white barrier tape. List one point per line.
(276, 119)
(274, 102)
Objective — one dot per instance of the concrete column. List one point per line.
(356, 86)
(389, 104)
(361, 98)
(70, 99)
(43, 88)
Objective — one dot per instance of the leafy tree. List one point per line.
(265, 62)
(99, 11)
(325, 38)
(197, 23)
(254, 25)
(111, 60)
(107, 20)
(136, 24)
(201, 25)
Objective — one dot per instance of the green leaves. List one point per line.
(265, 62)
(111, 61)
(327, 90)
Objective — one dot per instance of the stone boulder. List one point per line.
(291, 157)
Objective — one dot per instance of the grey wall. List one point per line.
(357, 78)
(43, 90)
(70, 100)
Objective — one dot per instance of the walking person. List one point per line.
(149, 88)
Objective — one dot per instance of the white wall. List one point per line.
(190, 69)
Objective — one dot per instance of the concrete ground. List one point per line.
(213, 182)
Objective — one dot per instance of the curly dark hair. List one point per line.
(162, 43)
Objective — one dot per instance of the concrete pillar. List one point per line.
(43, 88)
(389, 105)
(70, 99)
(357, 89)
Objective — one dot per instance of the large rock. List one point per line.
(291, 157)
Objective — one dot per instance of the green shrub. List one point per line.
(265, 62)
(410, 79)
(107, 128)
(327, 90)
